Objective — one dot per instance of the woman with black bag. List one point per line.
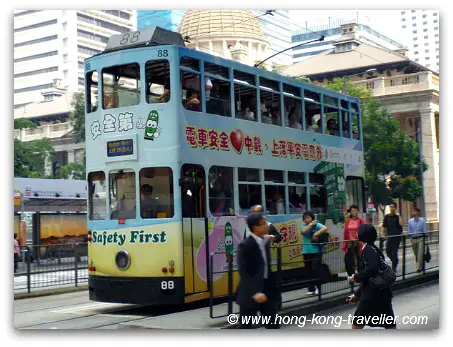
(375, 306)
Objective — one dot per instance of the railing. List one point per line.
(329, 282)
(49, 131)
(401, 83)
(47, 266)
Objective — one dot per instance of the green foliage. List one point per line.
(24, 123)
(338, 84)
(77, 117)
(29, 157)
(73, 171)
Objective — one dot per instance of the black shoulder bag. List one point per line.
(385, 276)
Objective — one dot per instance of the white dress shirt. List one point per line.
(262, 244)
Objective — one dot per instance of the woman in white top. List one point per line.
(293, 123)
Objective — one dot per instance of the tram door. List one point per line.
(195, 228)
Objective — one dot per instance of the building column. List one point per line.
(225, 49)
(429, 152)
(71, 156)
(48, 166)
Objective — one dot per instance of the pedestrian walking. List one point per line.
(375, 306)
(312, 250)
(16, 252)
(392, 231)
(351, 245)
(273, 233)
(257, 290)
(417, 230)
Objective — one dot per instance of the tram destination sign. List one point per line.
(120, 148)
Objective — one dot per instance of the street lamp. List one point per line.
(360, 73)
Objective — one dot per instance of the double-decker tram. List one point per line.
(180, 144)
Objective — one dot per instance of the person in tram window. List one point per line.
(279, 202)
(165, 96)
(331, 127)
(292, 117)
(149, 205)
(275, 114)
(266, 116)
(319, 126)
(192, 102)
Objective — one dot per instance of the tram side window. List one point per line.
(313, 117)
(121, 86)
(293, 113)
(92, 91)
(191, 90)
(297, 199)
(157, 81)
(355, 121)
(245, 96)
(275, 194)
(249, 189)
(122, 194)
(346, 122)
(271, 112)
(355, 192)
(97, 195)
(318, 195)
(156, 192)
(218, 100)
(221, 202)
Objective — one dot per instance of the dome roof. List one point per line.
(198, 23)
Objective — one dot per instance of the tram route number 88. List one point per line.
(167, 285)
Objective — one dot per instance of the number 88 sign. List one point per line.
(167, 285)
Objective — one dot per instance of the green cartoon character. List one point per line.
(229, 244)
(152, 131)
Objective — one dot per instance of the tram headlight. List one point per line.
(122, 260)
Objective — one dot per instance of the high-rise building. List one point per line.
(167, 19)
(51, 45)
(421, 29)
(333, 31)
(277, 29)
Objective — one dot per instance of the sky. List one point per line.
(387, 22)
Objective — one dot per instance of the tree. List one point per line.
(24, 123)
(73, 171)
(30, 157)
(77, 117)
(392, 160)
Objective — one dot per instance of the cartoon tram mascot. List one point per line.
(229, 242)
(152, 131)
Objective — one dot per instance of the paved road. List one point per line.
(75, 311)
(420, 302)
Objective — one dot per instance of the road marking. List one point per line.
(94, 306)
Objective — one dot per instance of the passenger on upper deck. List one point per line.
(192, 100)
(332, 127)
(292, 119)
(275, 114)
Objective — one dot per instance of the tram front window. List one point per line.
(122, 194)
(156, 192)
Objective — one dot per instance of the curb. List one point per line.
(309, 308)
(49, 292)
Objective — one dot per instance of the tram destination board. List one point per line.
(120, 148)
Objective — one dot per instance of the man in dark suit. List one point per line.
(274, 235)
(257, 289)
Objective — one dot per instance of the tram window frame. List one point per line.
(356, 134)
(115, 94)
(271, 189)
(167, 209)
(216, 71)
(360, 192)
(165, 94)
(190, 63)
(245, 110)
(188, 92)
(128, 213)
(91, 91)
(221, 173)
(297, 106)
(314, 182)
(272, 176)
(249, 177)
(268, 106)
(332, 113)
(312, 116)
(219, 102)
(346, 119)
(297, 209)
(91, 201)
